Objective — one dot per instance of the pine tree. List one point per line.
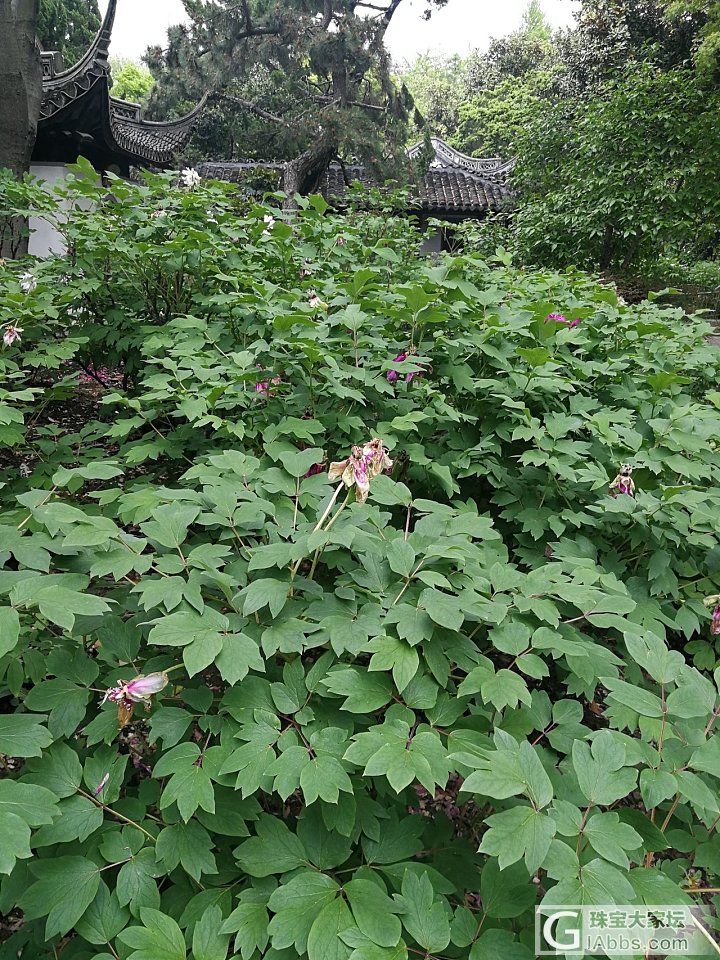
(68, 26)
(314, 73)
(534, 22)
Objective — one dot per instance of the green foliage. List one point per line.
(624, 178)
(383, 727)
(68, 26)
(493, 123)
(131, 81)
(439, 87)
(309, 80)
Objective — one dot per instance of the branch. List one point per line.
(328, 14)
(351, 103)
(252, 107)
(390, 12)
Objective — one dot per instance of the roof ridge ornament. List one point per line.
(448, 157)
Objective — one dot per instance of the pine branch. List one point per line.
(251, 107)
(351, 103)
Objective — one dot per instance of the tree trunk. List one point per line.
(20, 95)
(606, 253)
(302, 175)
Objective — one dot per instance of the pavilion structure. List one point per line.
(80, 117)
(453, 188)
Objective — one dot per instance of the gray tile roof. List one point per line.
(453, 185)
(77, 112)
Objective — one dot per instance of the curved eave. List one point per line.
(447, 157)
(149, 141)
(69, 84)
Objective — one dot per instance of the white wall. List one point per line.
(45, 241)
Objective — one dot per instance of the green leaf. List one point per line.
(442, 609)
(400, 556)
(506, 893)
(250, 921)
(641, 701)
(79, 818)
(58, 769)
(184, 626)
(265, 592)
(160, 938)
(22, 735)
(505, 689)
(207, 942)
(170, 523)
(424, 918)
(324, 941)
(14, 841)
(324, 777)
(202, 652)
(239, 655)
(104, 918)
(9, 630)
(493, 944)
(390, 653)
(65, 888)
(519, 832)
(599, 884)
(188, 844)
(136, 881)
(611, 838)
(274, 850)
(33, 804)
(364, 692)
(656, 786)
(296, 904)
(373, 912)
(600, 768)
(65, 700)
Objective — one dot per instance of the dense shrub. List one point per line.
(372, 728)
(624, 179)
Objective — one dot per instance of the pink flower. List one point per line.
(314, 300)
(11, 334)
(363, 464)
(314, 470)
(559, 318)
(340, 241)
(138, 690)
(714, 602)
(263, 386)
(392, 375)
(623, 482)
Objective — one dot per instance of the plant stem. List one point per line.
(119, 816)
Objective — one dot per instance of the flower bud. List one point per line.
(141, 688)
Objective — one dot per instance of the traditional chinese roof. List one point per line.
(453, 185)
(78, 115)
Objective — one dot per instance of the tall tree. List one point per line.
(534, 21)
(20, 95)
(20, 83)
(334, 94)
(68, 26)
(130, 80)
(438, 87)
